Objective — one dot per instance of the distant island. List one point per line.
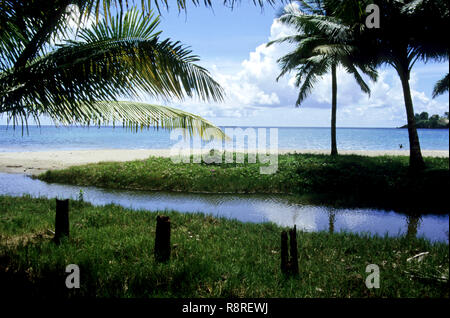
(433, 122)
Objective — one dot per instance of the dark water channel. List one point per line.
(279, 209)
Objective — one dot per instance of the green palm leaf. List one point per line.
(309, 74)
(441, 86)
(122, 57)
(137, 115)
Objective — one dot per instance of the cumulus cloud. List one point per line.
(254, 83)
(251, 85)
(252, 93)
(74, 24)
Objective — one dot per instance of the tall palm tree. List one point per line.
(316, 54)
(411, 30)
(82, 79)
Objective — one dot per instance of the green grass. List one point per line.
(210, 257)
(348, 180)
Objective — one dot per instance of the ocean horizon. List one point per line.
(47, 137)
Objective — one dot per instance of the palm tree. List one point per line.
(411, 30)
(316, 54)
(82, 79)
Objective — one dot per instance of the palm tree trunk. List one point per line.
(416, 162)
(334, 151)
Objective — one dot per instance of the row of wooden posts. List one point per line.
(289, 263)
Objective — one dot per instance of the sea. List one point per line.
(34, 138)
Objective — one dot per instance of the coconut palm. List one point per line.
(411, 30)
(317, 54)
(44, 70)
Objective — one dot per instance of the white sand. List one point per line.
(37, 162)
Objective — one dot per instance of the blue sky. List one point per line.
(231, 45)
(220, 33)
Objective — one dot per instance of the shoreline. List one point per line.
(36, 162)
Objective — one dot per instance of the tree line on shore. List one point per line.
(423, 120)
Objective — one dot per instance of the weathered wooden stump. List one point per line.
(294, 251)
(162, 239)
(289, 267)
(61, 219)
(284, 252)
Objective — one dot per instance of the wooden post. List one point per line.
(162, 239)
(284, 252)
(294, 251)
(61, 219)
(289, 267)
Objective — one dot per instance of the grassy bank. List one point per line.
(344, 180)
(210, 257)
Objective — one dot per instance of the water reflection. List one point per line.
(331, 220)
(412, 225)
(280, 209)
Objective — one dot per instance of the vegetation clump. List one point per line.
(348, 180)
(434, 122)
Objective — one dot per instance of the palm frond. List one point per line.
(331, 49)
(441, 86)
(106, 7)
(328, 26)
(304, 50)
(164, 68)
(123, 58)
(133, 115)
(289, 39)
(311, 7)
(308, 75)
(412, 6)
(351, 69)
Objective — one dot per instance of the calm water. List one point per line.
(282, 210)
(72, 138)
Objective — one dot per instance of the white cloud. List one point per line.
(251, 85)
(74, 24)
(73, 18)
(253, 97)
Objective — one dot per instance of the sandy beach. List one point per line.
(33, 163)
